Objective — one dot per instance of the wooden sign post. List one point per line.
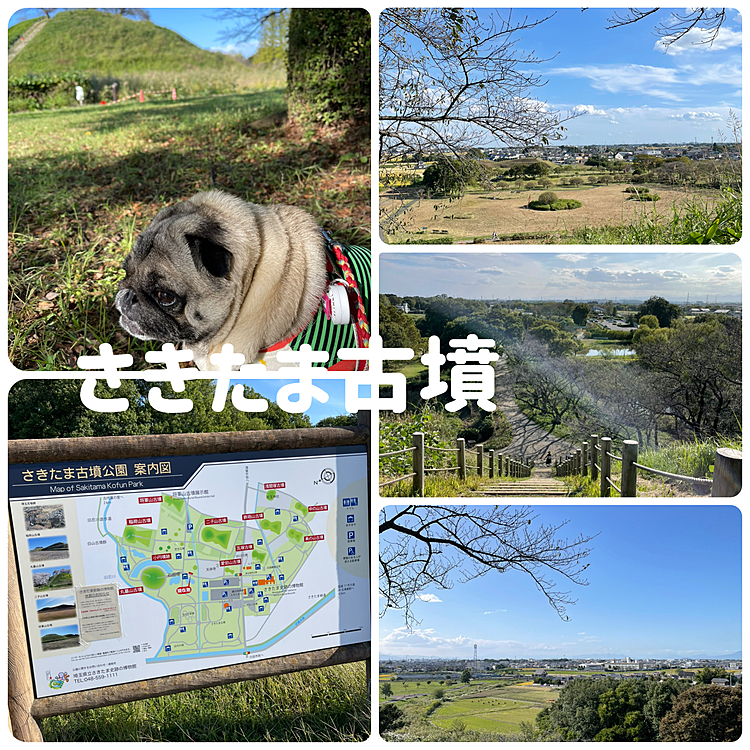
(222, 522)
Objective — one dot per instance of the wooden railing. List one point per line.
(595, 458)
(496, 463)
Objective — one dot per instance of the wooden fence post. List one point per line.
(500, 465)
(417, 441)
(594, 458)
(491, 457)
(727, 473)
(585, 457)
(578, 461)
(20, 687)
(480, 460)
(461, 444)
(507, 466)
(606, 445)
(629, 472)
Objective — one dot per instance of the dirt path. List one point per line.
(19, 44)
(530, 442)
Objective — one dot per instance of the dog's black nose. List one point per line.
(125, 300)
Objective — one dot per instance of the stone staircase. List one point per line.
(540, 484)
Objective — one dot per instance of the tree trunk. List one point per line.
(328, 65)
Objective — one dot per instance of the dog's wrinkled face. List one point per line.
(177, 285)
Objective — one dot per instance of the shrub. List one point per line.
(631, 189)
(653, 197)
(559, 205)
(548, 197)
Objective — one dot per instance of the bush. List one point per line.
(559, 205)
(653, 197)
(548, 197)
(631, 189)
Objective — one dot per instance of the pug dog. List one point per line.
(216, 270)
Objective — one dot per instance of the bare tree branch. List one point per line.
(423, 546)
(678, 24)
(450, 82)
(246, 22)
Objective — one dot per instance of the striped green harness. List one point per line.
(350, 266)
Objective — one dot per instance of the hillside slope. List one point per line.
(106, 44)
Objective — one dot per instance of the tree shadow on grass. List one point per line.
(73, 216)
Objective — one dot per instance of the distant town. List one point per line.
(557, 671)
(621, 152)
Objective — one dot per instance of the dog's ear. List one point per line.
(217, 260)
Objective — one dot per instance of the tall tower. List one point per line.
(476, 661)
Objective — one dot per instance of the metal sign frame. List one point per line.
(25, 709)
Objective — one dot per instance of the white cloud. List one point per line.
(588, 109)
(694, 41)
(429, 598)
(630, 78)
(696, 116)
(571, 258)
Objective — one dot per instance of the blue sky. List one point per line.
(584, 276)
(624, 84)
(664, 582)
(317, 411)
(198, 25)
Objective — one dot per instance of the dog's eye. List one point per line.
(165, 299)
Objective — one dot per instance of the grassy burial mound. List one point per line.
(98, 49)
(106, 44)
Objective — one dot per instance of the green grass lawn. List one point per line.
(500, 709)
(319, 705)
(84, 182)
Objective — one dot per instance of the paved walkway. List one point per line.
(19, 44)
(530, 441)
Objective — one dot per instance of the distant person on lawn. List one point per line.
(79, 94)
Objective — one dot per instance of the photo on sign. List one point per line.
(59, 608)
(227, 139)
(44, 517)
(61, 638)
(43, 549)
(51, 579)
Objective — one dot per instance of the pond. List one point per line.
(612, 352)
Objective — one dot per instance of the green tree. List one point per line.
(328, 65)
(274, 39)
(449, 175)
(575, 712)
(397, 329)
(386, 690)
(537, 169)
(705, 675)
(438, 693)
(648, 321)
(53, 408)
(580, 314)
(390, 718)
(665, 311)
(697, 370)
(466, 676)
(704, 714)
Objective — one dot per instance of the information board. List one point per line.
(132, 569)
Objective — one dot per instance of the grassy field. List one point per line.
(320, 705)
(84, 182)
(484, 706)
(478, 215)
(500, 709)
